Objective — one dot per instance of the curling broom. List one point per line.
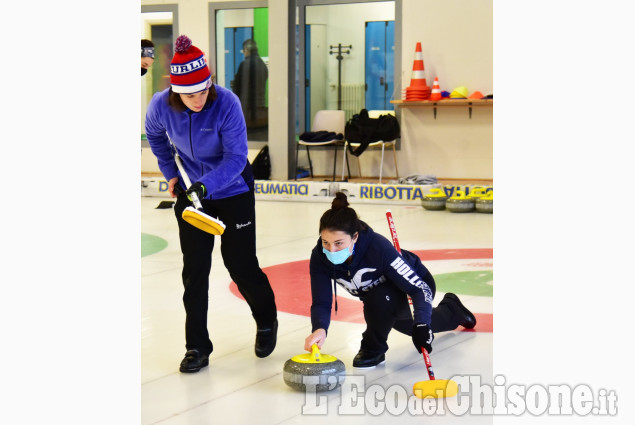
(433, 388)
(195, 215)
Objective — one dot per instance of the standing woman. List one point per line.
(368, 266)
(206, 125)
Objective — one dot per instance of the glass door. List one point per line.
(340, 61)
(242, 62)
(158, 28)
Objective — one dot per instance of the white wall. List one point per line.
(457, 39)
(278, 90)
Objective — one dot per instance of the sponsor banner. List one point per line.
(311, 191)
(155, 187)
(357, 192)
(396, 194)
(295, 190)
(402, 194)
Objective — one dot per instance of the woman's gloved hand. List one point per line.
(422, 336)
(198, 189)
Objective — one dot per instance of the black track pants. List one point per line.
(238, 249)
(386, 307)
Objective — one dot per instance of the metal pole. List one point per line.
(339, 58)
(339, 76)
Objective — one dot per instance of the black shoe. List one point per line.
(193, 361)
(466, 318)
(364, 360)
(266, 340)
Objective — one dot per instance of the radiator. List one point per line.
(353, 98)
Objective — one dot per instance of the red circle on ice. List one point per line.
(292, 286)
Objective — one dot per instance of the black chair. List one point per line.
(325, 120)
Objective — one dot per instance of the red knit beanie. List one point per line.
(189, 72)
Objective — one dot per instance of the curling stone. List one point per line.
(460, 203)
(485, 204)
(435, 200)
(315, 371)
(476, 192)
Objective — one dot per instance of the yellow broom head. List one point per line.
(202, 221)
(437, 388)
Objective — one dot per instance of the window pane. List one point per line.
(156, 27)
(242, 57)
(356, 77)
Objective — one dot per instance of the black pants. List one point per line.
(386, 307)
(238, 248)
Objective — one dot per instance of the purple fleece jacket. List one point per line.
(212, 143)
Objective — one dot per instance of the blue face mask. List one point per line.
(338, 257)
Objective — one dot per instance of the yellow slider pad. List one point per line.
(437, 388)
(202, 221)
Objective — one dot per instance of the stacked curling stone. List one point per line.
(476, 192)
(315, 371)
(485, 203)
(459, 202)
(483, 200)
(435, 200)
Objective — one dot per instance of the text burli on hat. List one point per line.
(188, 67)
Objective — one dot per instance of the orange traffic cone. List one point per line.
(436, 90)
(418, 89)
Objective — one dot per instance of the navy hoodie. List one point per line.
(375, 260)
